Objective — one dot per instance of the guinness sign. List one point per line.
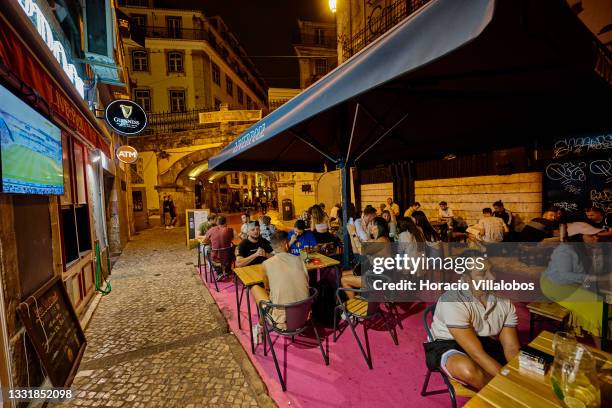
(127, 154)
(126, 117)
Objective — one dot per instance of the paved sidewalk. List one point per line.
(159, 340)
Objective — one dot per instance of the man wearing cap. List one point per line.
(300, 238)
(572, 274)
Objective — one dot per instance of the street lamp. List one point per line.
(332, 5)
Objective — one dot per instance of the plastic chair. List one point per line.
(298, 319)
(218, 269)
(361, 311)
(452, 386)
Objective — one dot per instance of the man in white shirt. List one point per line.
(362, 225)
(334, 212)
(393, 207)
(474, 332)
(444, 212)
(489, 228)
(285, 280)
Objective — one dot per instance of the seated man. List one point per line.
(285, 281)
(254, 249)
(414, 207)
(489, 228)
(205, 226)
(220, 237)
(539, 229)
(299, 238)
(474, 331)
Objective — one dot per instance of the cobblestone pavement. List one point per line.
(159, 340)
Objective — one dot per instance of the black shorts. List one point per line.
(435, 349)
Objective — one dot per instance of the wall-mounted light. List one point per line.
(450, 156)
(95, 156)
(332, 5)
(192, 178)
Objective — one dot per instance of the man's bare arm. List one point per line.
(510, 342)
(468, 340)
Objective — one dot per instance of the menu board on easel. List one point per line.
(194, 219)
(54, 329)
(580, 174)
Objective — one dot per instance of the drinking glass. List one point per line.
(563, 340)
(574, 377)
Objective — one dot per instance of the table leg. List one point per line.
(250, 328)
(604, 328)
(237, 301)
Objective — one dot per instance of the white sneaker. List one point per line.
(257, 334)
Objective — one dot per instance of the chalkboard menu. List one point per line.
(580, 174)
(55, 331)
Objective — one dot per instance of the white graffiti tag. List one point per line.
(602, 168)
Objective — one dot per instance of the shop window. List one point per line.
(229, 86)
(240, 95)
(175, 61)
(74, 211)
(143, 98)
(216, 74)
(177, 101)
(140, 61)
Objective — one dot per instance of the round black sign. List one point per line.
(126, 117)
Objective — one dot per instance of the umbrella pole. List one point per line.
(345, 190)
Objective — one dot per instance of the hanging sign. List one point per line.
(127, 154)
(126, 117)
(59, 52)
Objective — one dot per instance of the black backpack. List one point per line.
(325, 303)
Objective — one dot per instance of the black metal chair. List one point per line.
(359, 310)
(298, 319)
(203, 250)
(222, 267)
(454, 389)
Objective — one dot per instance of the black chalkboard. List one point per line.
(566, 185)
(55, 331)
(579, 183)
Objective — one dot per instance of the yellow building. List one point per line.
(190, 62)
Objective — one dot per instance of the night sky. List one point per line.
(264, 28)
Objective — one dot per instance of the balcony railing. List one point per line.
(379, 23)
(176, 33)
(313, 40)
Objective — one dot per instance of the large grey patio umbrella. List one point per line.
(455, 77)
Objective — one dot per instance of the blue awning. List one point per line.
(455, 76)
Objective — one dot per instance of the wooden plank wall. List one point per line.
(375, 194)
(467, 196)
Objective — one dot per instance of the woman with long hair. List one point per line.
(319, 221)
(431, 235)
(378, 246)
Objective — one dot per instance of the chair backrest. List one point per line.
(224, 255)
(355, 243)
(296, 313)
(429, 310)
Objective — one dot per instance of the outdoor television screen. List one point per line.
(31, 149)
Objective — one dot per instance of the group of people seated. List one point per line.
(474, 332)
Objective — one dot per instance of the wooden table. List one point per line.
(252, 275)
(526, 390)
